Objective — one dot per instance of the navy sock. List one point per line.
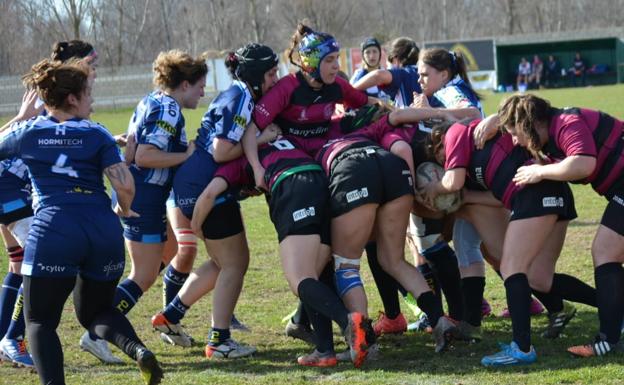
(17, 327)
(519, 301)
(8, 295)
(176, 310)
(173, 281)
(218, 336)
(126, 296)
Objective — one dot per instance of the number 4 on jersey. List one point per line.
(60, 167)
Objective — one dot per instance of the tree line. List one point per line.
(128, 32)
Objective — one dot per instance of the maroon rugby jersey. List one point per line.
(580, 131)
(302, 111)
(491, 168)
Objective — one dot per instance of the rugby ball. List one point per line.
(432, 172)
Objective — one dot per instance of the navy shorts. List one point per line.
(544, 198)
(191, 179)
(299, 206)
(367, 175)
(149, 203)
(15, 215)
(84, 239)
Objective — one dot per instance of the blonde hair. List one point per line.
(173, 67)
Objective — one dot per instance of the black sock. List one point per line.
(610, 294)
(323, 335)
(519, 301)
(301, 315)
(328, 276)
(430, 276)
(573, 289)
(386, 285)
(472, 290)
(445, 265)
(431, 305)
(551, 301)
(499, 274)
(321, 298)
(115, 328)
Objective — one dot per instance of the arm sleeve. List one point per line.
(160, 126)
(352, 98)
(274, 102)
(10, 141)
(457, 147)
(575, 138)
(236, 117)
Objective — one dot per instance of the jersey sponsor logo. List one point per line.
(478, 171)
(183, 202)
(113, 268)
(166, 126)
(552, 202)
(53, 142)
(303, 115)
(240, 120)
(317, 131)
(79, 190)
(132, 229)
(409, 176)
(261, 109)
(303, 213)
(357, 194)
(329, 111)
(51, 268)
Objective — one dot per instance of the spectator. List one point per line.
(536, 71)
(577, 70)
(524, 72)
(553, 72)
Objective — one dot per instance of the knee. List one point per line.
(187, 249)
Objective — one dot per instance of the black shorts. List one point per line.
(16, 215)
(223, 221)
(299, 206)
(367, 175)
(544, 198)
(613, 216)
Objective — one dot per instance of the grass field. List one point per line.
(407, 359)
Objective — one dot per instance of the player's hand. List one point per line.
(121, 139)
(28, 109)
(420, 101)
(196, 227)
(129, 213)
(269, 134)
(259, 179)
(485, 130)
(528, 174)
(190, 149)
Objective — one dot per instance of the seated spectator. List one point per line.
(552, 73)
(524, 71)
(577, 70)
(537, 68)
